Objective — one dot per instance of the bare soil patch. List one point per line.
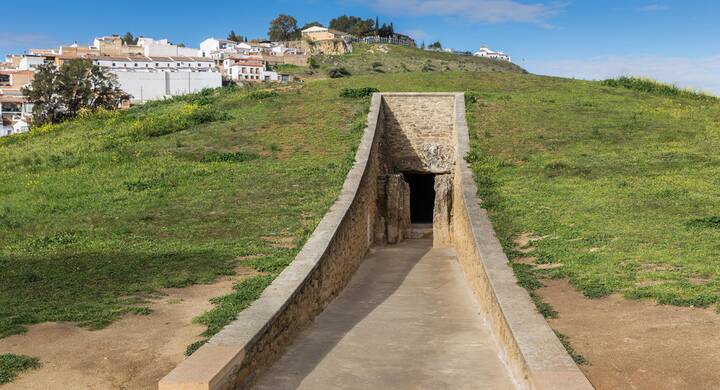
(132, 353)
(638, 344)
(284, 242)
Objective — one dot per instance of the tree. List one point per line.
(311, 24)
(234, 37)
(60, 93)
(435, 45)
(422, 47)
(283, 28)
(353, 25)
(129, 39)
(386, 31)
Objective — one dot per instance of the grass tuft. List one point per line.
(229, 306)
(565, 340)
(654, 87)
(358, 92)
(13, 365)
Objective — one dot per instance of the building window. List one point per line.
(113, 64)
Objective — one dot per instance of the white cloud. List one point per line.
(490, 11)
(653, 8)
(695, 73)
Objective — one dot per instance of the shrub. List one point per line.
(313, 63)
(706, 222)
(428, 67)
(358, 92)
(471, 98)
(654, 87)
(336, 73)
(175, 120)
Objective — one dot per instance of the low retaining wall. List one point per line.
(234, 357)
(244, 349)
(534, 355)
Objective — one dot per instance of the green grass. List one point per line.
(654, 87)
(565, 340)
(13, 365)
(373, 59)
(100, 213)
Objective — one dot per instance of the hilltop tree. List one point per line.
(61, 93)
(234, 37)
(283, 28)
(353, 25)
(386, 31)
(311, 24)
(129, 39)
(422, 47)
(435, 45)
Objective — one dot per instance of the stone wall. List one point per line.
(327, 47)
(420, 136)
(533, 353)
(242, 350)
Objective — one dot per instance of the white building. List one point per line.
(249, 69)
(17, 126)
(152, 78)
(155, 85)
(20, 126)
(217, 48)
(163, 48)
(486, 52)
(30, 62)
(156, 63)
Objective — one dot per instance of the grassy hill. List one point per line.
(378, 59)
(97, 214)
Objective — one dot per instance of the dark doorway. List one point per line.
(422, 196)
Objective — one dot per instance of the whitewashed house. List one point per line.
(486, 52)
(20, 126)
(152, 78)
(217, 49)
(249, 69)
(163, 48)
(30, 62)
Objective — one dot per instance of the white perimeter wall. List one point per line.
(157, 85)
(160, 50)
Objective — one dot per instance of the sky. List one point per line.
(674, 41)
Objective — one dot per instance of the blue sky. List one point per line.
(674, 41)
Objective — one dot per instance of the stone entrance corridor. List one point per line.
(407, 320)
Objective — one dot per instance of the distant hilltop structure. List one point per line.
(486, 52)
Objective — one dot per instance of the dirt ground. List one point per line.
(638, 344)
(132, 353)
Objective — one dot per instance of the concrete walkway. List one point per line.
(407, 320)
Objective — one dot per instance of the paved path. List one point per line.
(407, 320)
